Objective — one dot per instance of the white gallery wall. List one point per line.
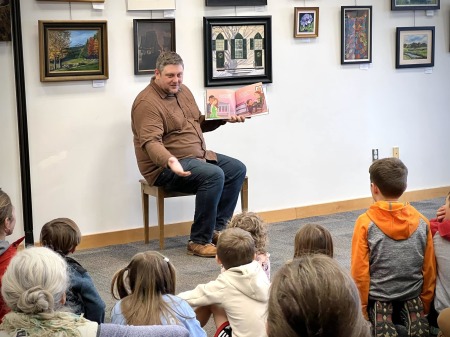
(314, 146)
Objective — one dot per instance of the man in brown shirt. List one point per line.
(171, 152)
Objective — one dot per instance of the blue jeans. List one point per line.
(216, 185)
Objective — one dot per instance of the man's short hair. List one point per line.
(235, 247)
(166, 58)
(390, 176)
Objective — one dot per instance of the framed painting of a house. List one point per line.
(73, 50)
(409, 5)
(356, 34)
(237, 50)
(151, 37)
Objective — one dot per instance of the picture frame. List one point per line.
(414, 47)
(73, 50)
(356, 34)
(151, 37)
(306, 22)
(217, 3)
(409, 5)
(73, 0)
(237, 50)
(5, 20)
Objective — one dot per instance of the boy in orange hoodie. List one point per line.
(393, 261)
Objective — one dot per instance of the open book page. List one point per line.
(246, 101)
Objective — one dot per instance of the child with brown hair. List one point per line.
(62, 235)
(313, 296)
(238, 297)
(146, 293)
(392, 261)
(252, 223)
(7, 250)
(313, 239)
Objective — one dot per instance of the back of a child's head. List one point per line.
(149, 274)
(390, 175)
(235, 247)
(6, 207)
(313, 239)
(313, 296)
(61, 234)
(252, 223)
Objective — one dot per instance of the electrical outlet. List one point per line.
(374, 154)
(396, 152)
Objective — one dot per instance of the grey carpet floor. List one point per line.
(102, 263)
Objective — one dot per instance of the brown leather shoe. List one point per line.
(215, 237)
(207, 250)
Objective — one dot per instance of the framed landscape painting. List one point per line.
(73, 50)
(235, 2)
(151, 37)
(409, 5)
(414, 47)
(306, 22)
(356, 34)
(237, 50)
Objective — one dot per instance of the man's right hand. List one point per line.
(176, 167)
(440, 213)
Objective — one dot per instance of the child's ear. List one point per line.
(218, 260)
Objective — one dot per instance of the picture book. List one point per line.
(246, 101)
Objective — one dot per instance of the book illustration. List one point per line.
(246, 101)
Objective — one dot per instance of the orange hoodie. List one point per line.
(392, 255)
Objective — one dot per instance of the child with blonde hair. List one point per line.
(62, 235)
(146, 293)
(313, 239)
(252, 223)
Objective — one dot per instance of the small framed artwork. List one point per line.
(151, 37)
(306, 22)
(74, 0)
(73, 50)
(237, 50)
(409, 5)
(356, 34)
(235, 2)
(5, 20)
(414, 47)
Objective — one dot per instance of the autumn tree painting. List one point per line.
(73, 50)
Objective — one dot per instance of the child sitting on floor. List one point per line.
(240, 293)
(313, 239)
(63, 236)
(146, 293)
(252, 223)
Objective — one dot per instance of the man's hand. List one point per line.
(236, 119)
(176, 167)
(440, 214)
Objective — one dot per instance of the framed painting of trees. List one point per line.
(73, 50)
(237, 50)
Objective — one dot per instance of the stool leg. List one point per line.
(160, 210)
(244, 195)
(144, 198)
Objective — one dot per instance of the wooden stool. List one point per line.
(160, 194)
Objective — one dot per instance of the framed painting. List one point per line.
(306, 22)
(356, 34)
(5, 20)
(237, 50)
(74, 0)
(414, 47)
(151, 37)
(73, 50)
(235, 2)
(409, 5)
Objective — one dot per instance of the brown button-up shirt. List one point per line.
(167, 125)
